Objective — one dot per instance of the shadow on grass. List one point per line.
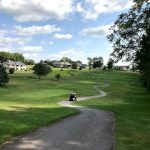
(132, 124)
(22, 120)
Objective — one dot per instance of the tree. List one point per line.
(49, 62)
(58, 76)
(143, 59)
(29, 62)
(130, 37)
(11, 70)
(18, 57)
(41, 69)
(4, 56)
(104, 68)
(110, 64)
(98, 62)
(66, 59)
(90, 62)
(74, 65)
(3, 76)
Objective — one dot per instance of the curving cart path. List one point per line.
(91, 130)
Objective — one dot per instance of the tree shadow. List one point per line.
(20, 120)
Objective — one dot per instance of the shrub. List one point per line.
(3, 76)
(58, 76)
(104, 68)
(11, 70)
(74, 65)
(80, 68)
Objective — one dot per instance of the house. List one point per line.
(16, 65)
(60, 64)
(125, 68)
(79, 65)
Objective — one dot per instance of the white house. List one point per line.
(16, 65)
(59, 64)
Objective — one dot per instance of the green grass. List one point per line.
(131, 104)
(27, 103)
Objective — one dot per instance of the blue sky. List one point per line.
(48, 29)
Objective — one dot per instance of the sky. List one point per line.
(52, 29)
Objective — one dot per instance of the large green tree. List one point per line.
(130, 37)
(42, 69)
(98, 62)
(29, 62)
(110, 64)
(3, 76)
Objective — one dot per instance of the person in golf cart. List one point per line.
(72, 97)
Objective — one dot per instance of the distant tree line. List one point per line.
(4, 56)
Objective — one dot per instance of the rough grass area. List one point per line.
(131, 104)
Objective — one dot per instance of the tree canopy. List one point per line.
(3, 76)
(128, 30)
(4, 56)
(29, 62)
(66, 59)
(110, 64)
(41, 69)
(98, 62)
(74, 65)
(130, 37)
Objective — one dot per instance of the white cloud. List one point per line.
(5, 49)
(45, 42)
(91, 9)
(9, 41)
(83, 43)
(35, 56)
(32, 52)
(37, 10)
(31, 49)
(71, 53)
(96, 31)
(50, 43)
(3, 33)
(63, 36)
(35, 30)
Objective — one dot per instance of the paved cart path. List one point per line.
(91, 130)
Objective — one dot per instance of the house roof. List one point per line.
(61, 63)
(9, 62)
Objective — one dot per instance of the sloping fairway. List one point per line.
(131, 104)
(27, 103)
